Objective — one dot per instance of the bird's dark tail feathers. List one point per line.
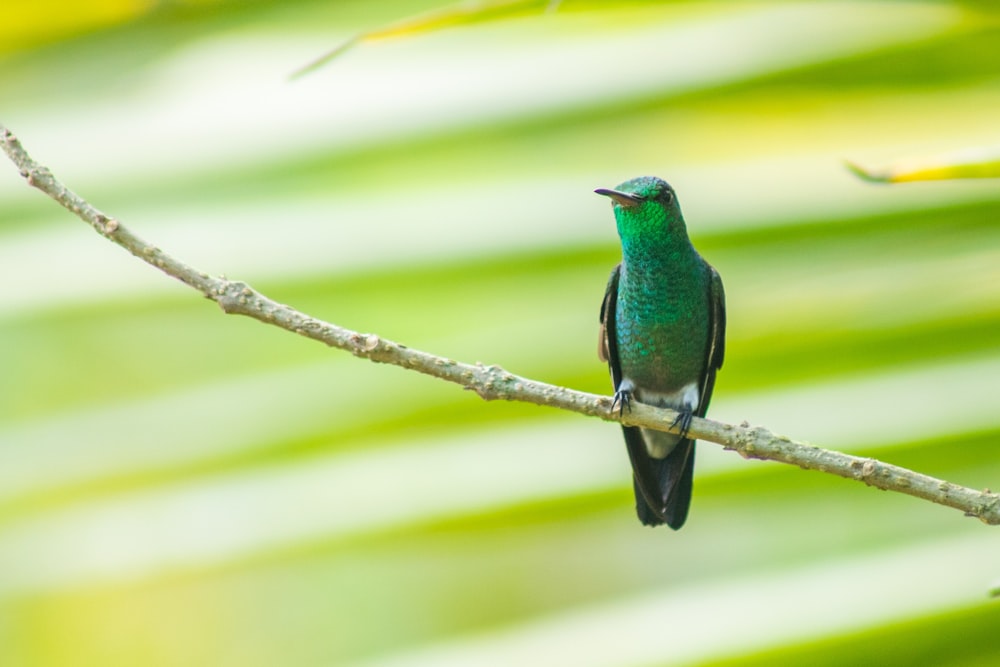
(662, 486)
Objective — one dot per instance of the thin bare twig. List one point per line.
(493, 382)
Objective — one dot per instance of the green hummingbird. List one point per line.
(663, 327)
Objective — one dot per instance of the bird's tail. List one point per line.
(662, 486)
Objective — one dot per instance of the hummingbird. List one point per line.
(663, 327)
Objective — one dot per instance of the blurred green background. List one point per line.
(183, 488)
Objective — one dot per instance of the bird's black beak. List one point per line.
(626, 199)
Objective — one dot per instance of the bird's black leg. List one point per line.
(683, 420)
(623, 398)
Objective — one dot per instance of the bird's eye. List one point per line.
(667, 196)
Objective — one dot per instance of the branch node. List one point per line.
(364, 344)
(36, 175)
(108, 225)
(231, 295)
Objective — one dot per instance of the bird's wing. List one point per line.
(716, 337)
(607, 343)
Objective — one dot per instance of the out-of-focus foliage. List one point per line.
(977, 163)
(30, 23)
(178, 487)
(438, 19)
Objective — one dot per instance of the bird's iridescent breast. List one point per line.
(662, 324)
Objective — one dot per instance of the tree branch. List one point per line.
(493, 382)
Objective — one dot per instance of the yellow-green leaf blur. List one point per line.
(179, 487)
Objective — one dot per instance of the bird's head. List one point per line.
(644, 206)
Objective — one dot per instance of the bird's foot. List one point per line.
(623, 399)
(683, 420)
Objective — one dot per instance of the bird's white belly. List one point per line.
(659, 443)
